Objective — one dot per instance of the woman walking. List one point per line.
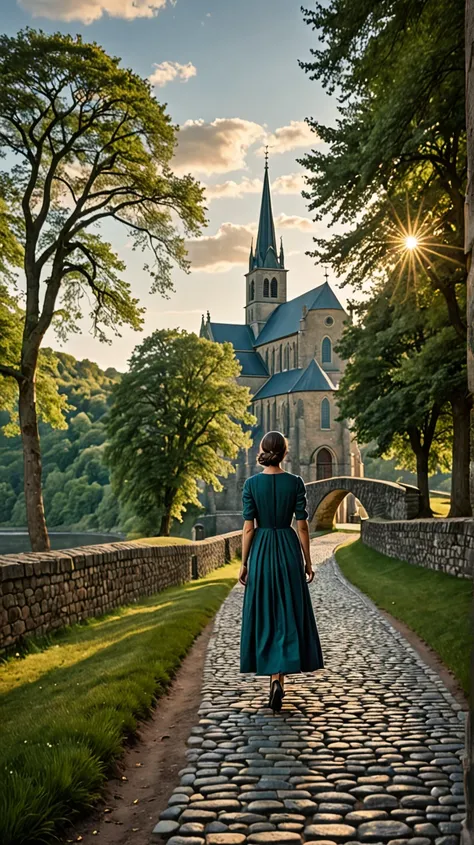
(279, 635)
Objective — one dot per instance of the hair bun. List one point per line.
(273, 448)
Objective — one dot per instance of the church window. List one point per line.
(269, 425)
(281, 358)
(323, 464)
(287, 357)
(266, 287)
(325, 414)
(326, 351)
(329, 321)
(295, 359)
(273, 361)
(274, 287)
(252, 290)
(266, 358)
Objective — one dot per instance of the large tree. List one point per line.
(177, 418)
(398, 66)
(88, 143)
(399, 382)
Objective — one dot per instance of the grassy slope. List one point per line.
(440, 505)
(66, 710)
(434, 605)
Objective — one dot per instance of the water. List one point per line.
(16, 540)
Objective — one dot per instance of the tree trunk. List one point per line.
(460, 493)
(32, 467)
(422, 482)
(165, 525)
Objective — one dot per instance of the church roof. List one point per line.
(241, 337)
(252, 364)
(285, 319)
(311, 378)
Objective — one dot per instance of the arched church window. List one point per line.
(323, 464)
(325, 413)
(281, 358)
(295, 358)
(252, 290)
(274, 287)
(326, 351)
(266, 287)
(266, 358)
(287, 357)
(269, 425)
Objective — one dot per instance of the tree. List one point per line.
(89, 144)
(176, 419)
(399, 68)
(398, 382)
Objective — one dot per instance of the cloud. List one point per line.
(290, 183)
(233, 190)
(230, 246)
(285, 221)
(88, 11)
(168, 71)
(217, 147)
(296, 134)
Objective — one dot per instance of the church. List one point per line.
(287, 353)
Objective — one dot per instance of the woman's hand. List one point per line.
(243, 574)
(309, 572)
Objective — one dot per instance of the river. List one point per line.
(16, 540)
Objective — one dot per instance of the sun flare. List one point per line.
(411, 242)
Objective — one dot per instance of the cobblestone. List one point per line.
(367, 749)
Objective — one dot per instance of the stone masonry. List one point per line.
(444, 544)
(42, 591)
(366, 750)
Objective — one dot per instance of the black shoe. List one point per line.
(276, 697)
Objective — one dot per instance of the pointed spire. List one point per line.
(282, 255)
(251, 257)
(266, 250)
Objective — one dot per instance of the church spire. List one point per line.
(266, 248)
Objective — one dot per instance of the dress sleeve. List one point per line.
(301, 506)
(249, 511)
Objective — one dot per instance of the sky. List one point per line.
(228, 72)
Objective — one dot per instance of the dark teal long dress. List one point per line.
(279, 632)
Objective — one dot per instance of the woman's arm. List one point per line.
(247, 536)
(303, 533)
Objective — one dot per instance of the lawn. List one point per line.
(162, 541)
(67, 707)
(440, 505)
(434, 605)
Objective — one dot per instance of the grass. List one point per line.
(162, 541)
(67, 707)
(435, 605)
(440, 505)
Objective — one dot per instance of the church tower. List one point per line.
(266, 277)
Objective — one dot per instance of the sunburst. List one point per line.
(413, 247)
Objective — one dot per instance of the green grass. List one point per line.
(440, 505)
(434, 605)
(162, 541)
(67, 707)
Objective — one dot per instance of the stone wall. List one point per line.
(443, 544)
(42, 591)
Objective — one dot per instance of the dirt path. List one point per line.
(148, 770)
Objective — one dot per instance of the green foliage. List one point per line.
(68, 705)
(77, 489)
(175, 420)
(398, 66)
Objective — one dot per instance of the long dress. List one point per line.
(279, 631)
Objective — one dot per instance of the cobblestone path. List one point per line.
(367, 749)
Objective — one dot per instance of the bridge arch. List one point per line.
(385, 499)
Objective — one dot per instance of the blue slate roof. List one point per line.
(252, 364)
(241, 337)
(312, 378)
(285, 320)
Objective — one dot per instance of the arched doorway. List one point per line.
(323, 464)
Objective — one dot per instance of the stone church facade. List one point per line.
(287, 352)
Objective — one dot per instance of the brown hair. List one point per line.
(273, 448)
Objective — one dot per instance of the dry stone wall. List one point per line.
(43, 591)
(443, 544)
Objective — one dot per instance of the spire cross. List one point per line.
(266, 155)
(326, 275)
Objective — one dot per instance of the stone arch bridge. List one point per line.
(385, 499)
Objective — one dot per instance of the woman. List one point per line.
(279, 633)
